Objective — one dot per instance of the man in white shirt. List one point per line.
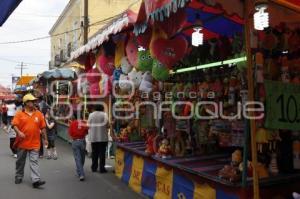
(11, 112)
(98, 136)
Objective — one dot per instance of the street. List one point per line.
(61, 182)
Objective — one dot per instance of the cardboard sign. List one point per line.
(282, 106)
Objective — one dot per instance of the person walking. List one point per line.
(12, 137)
(51, 135)
(98, 136)
(28, 125)
(4, 114)
(77, 131)
(11, 111)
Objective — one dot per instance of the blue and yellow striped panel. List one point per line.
(164, 183)
(183, 188)
(135, 181)
(128, 158)
(119, 163)
(149, 179)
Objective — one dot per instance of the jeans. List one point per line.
(33, 162)
(78, 147)
(98, 153)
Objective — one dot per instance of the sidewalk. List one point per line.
(60, 177)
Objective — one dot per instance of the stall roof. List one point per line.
(25, 80)
(6, 8)
(114, 27)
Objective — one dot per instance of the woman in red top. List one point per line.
(4, 113)
(77, 131)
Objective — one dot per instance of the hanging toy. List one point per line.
(126, 66)
(159, 71)
(136, 78)
(165, 150)
(273, 167)
(145, 61)
(146, 83)
(262, 138)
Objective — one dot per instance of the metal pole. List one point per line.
(248, 25)
(85, 22)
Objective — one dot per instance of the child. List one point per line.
(77, 131)
(51, 134)
(12, 137)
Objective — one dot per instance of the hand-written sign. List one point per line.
(282, 105)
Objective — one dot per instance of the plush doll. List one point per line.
(178, 144)
(145, 61)
(165, 150)
(262, 137)
(232, 172)
(146, 83)
(159, 71)
(124, 135)
(296, 154)
(93, 76)
(116, 75)
(136, 78)
(273, 167)
(125, 66)
(106, 64)
(232, 90)
(124, 83)
(149, 144)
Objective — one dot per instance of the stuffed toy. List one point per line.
(159, 71)
(145, 61)
(132, 50)
(126, 66)
(119, 54)
(169, 51)
(296, 154)
(106, 64)
(232, 172)
(116, 75)
(149, 144)
(165, 150)
(146, 83)
(124, 83)
(262, 137)
(178, 145)
(136, 78)
(93, 76)
(273, 167)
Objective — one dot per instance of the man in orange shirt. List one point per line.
(28, 125)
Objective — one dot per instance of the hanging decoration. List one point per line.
(169, 51)
(106, 64)
(126, 66)
(145, 61)
(131, 50)
(146, 83)
(159, 71)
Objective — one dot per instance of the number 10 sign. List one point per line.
(282, 106)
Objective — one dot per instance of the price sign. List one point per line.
(282, 106)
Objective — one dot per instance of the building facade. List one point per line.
(67, 32)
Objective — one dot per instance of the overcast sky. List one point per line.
(32, 19)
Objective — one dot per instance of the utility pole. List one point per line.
(85, 21)
(21, 68)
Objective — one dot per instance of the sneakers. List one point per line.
(38, 184)
(49, 157)
(18, 180)
(15, 156)
(81, 178)
(54, 157)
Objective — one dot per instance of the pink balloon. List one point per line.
(107, 64)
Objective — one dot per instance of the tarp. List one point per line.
(61, 73)
(294, 4)
(115, 27)
(25, 80)
(6, 8)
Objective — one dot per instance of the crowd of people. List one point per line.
(31, 128)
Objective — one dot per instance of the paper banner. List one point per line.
(182, 187)
(135, 181)
(148, 179)
(119, 162)
(164, 182)
(282, 106)
(204, 191)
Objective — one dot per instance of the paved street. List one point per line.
(60, 177)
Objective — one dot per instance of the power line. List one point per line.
(55, 35)
(26, 63)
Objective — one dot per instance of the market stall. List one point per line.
(182, 86)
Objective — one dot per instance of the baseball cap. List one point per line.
(29, 97)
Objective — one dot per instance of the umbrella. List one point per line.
(6, 8)
(62, 73)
